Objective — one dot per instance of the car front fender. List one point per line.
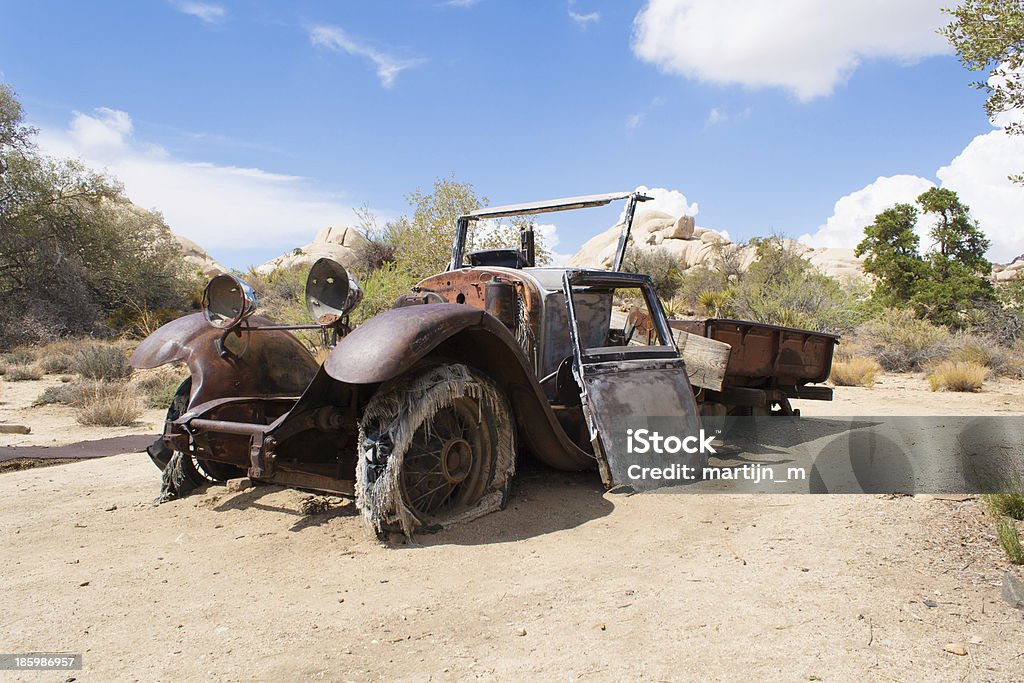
(262, 363)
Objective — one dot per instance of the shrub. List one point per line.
(109, 404)
(158, 389)
(855, 372)
(957, 376)
(1005, 504)
(901, 341)
(58, 358)
(19, 357)
(1009, 539)
(380, 289)
(102, 362)
(659, 264)
(23, 372)
(968, 348)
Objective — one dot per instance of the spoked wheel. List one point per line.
(449, 460)
(436, 447)
(183, 472)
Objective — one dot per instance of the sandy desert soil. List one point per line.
(568, 583)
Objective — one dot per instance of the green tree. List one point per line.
(989, 35)
(891, 251)
(945, 284)
(74, 252)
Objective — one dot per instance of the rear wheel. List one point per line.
(436, 447)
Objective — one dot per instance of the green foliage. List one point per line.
(380, 289)
(989, 34)
(73, 249)
(1009, 504)
(159, 388)
(782, 288)
(1009, 540)
(101, 362)
(659, 264)
(945, 284)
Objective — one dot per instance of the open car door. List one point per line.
(630, 382)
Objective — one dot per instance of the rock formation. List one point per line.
(339, 244)
(196, 258)
(695, 246)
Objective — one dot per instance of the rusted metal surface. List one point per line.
(768, 355)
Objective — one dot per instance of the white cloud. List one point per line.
(671, 202)
(718, 115)
(582, 19)
(805, 46)
(979, 175)
(552, 240)
(857, 210)
(219, 207)
(205, 12)
(634, 120)
(387, 66)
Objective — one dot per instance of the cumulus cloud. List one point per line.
(805, 46)
(979, 175)
(220, 207)
(671, 202)
(387, 66)
(718, 115)
(205, 12)
(857, 210)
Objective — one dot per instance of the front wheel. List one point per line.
(183, 472)
(436, 447)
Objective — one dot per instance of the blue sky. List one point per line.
(253, 124)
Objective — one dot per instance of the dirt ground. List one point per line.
(568, 583)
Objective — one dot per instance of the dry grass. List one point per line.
(902, 342)
(1009, 539)
(109, 404)
(23, 372)
(957, 376)
(859, 371)
(1005, 504)
(102, 362)
(158, 388)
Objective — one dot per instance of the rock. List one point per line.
(683, 228)
(340, 244)
(238, 485)
(15, 429)
(958, 649)
(1013, 590)
(197, 258)
(521, 632)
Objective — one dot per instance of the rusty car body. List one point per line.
(420, 412)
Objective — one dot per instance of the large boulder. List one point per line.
(340, 244)
(1011, 271)
(197, 259)
(699, 246)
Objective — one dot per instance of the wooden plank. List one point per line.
(706, 359)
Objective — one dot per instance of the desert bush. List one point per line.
(1009, 539)
(957, 376)
(380, 289)
(109, 404)
(901, 341)
(859, 371)
(19, 357)
(58, 358)
(970, 348)
(282, 292)
(69, 394)
(23, 372)
(159, 388)
(659, 264)
(102, 362)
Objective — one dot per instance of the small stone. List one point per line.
(521, 632)
(84, 583)
(930, 603)
(958, 649)
(1013, 590)
(602, 626)
(15, 429)
(239, 485)
(110, 509)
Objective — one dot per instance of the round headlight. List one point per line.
(331, 293)
(228, 300)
